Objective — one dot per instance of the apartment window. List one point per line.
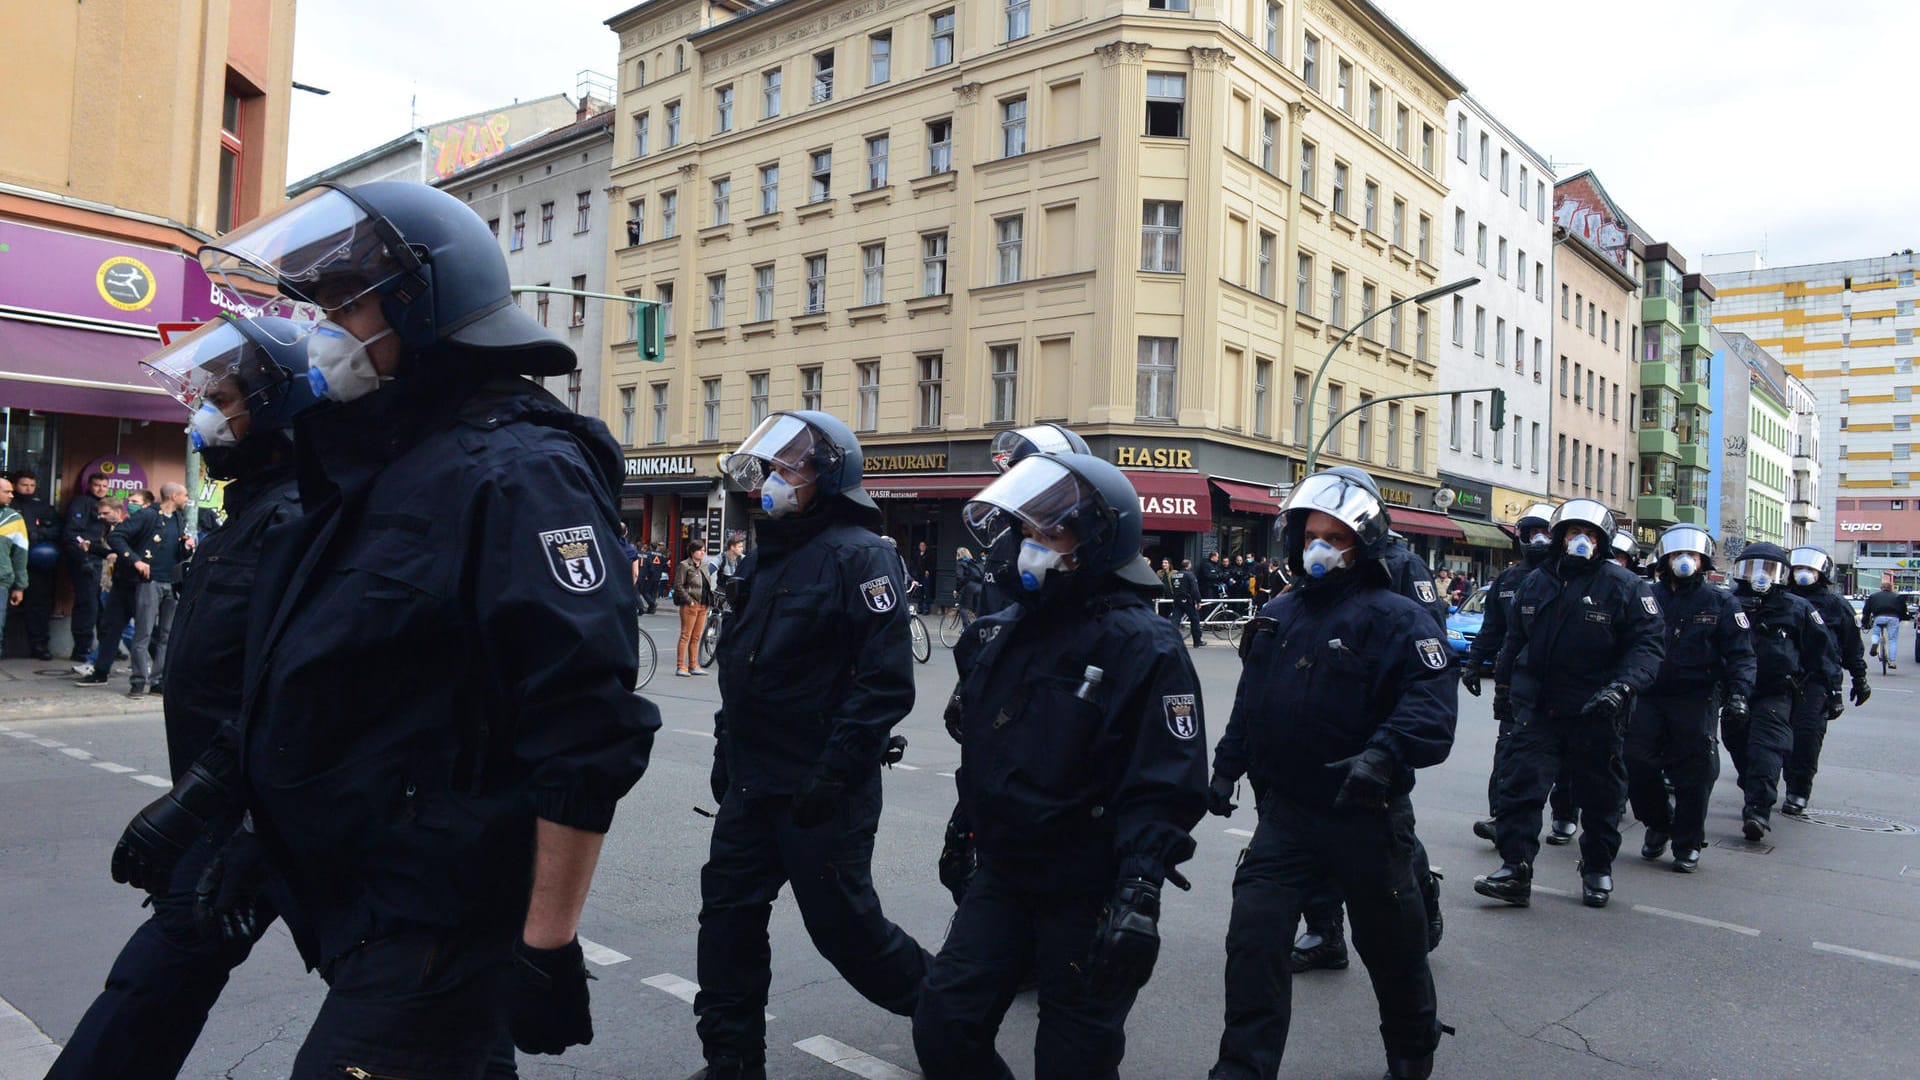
(879, 59)
(1363, 429)
(1577, 396)
(811, 382)
(1374, 119)
(673, 125)
(769, 189)
(1505, 164)
(1479, 330)
(546, 222)
(669, 214)
(1340, 187)
(710, 410)
(1503, 256)
(1424, 239)
(816, 284)
(659, 433)
(1337, 297)
(1160, 237)
(493, 226)
(1519, 268)
(1269, 129)
(1519, 351)
(1007, 232)
(1400, 224)
(1420, 334)
(770, 93)
(232, 163)
(582, 212)
(1454, 425)
(663, 295)
(1563, 301)
(1460, 136)
(1394, 341)
(1589, 388)
(876, 162)
(641, 124)
(1517, 425)
(1486, 155)
(541, 302)
(1166, 5)
(1495, 440)
(1006, 380)
(1306, 169)
(941, 51)
(1560, 461)
(1500, 341)
(1459, 321)
(722, 201)
(1272, 29)
(1342, 83)
(763, 293)
(1262, 396)
(1013, 127)
(1334, 408)
(723, 110)
(933, 264)
(1523, 206)
(1310, 63)
(1303, 284)
(1154, 383)
(820, 176)
(1369, 296)
(1300, 407)
(867, 414)
(1402, 120)
(1019, 19)
(1460, 231)
(626, 415)
(823, 76)
(1166, 105)
(579, 301)
(1263, 276)
(1533, 445)
(1600, 399)
(1393, 434)
(1590, 319)
(1540, 283)
(757, 408)
(1540, 200)
(939, 146)
(1370, 207)
(1579, 306)
(1426, 147)
(1603, 329)
(518, 238)
(930, 387)
(1419, 440)
(716, 301)
(1480, 244)
(873, 274)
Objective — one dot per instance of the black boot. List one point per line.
(1686, 860)
(732, 1069)
(1436, 923)
(1513, 883)
(1753, 824)
(1654, 845)
(1313, 951)
(1484, 829)
(1596, 887)
(1415, 1068)
(1794, 805)
(1562, 833)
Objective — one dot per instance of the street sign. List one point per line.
(171, 330)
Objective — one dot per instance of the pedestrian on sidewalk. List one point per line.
(13, 554)
(83, 546)
(154, 551)
(693, 591)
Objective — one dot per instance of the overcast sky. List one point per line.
(1719, 125)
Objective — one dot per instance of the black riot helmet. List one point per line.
(1583, 512)
(1811, 564)
(1015, 444)
(797, 439)
(1759, 568)
(1685, 551)
(233, 367)
(1537, 519)
(1625, 548)
(1353, 501)
(1077, 492)
(434, 266)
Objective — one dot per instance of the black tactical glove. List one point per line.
(1836, 704)
(718, 779)
(1470, 678)
(958, 858)
(1608, 704)
(895, 752)
(1220, 797)
(547, 998)
(1126, 941)
(158, 835)
(1861, 692)
(819, 794)
(952, 714)
(1502, 704)
(1733, 713)
(226, 902)
(1364, 778)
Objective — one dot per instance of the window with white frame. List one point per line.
(1460, 230)
(823, 76)
(1420, 334)
(1520, 269)
(939, 146)
(722, 200)
(627, 410)
(1540, 200)
(1500, 341)
(1310, 62)
(1337, 298)
(1269, 132)
(1007, 233)
(1503, 257)
(1363, 429)
(933, 264)
(659, 433)
(1455, 427)
(716, 301)
(1335, 406)
(723, 110)
(757, 404)
(1271, 30)
(1525, 182)
(1419, 440)
(1486, 156)
(1400, 224)
(873, 274)
(812, 380)
(820, 176)
(1006, 382)
(1303, 284)
(1340, 172)
(1370, 207)
(1166, 105)
(763, 293)
(1506, 164)
(1460, 136)
(1155, 377)
(1479, 330)
(1459, 320)
(663, 295)
(868, 410)
(636, 222)
(1342, 87)
(1013, 127)
(931, 385)
(1402, 122)
(1393, 434)
(1019, 19)
(940, 45)
(1307, 150)
(1160, 237)
(669, 214)
(710, 410)
(673, 125)
(1395, 340)
(1300, 407)
(879, 59)
(1375, 107)
(769, 189)
(1426, 147)
(582, 212)
(1262, 397)
(770, 80)
(1424, 240)
(642, 122)
(1369, 299)
(876, 162)
(1480, 244)
(816, 284)
(1264, 271)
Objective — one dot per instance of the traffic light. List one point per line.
(651, 335)
(1499, 410)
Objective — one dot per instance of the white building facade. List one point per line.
(1497, 226)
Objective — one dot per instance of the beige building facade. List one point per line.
(938, 220)
(1595, 378)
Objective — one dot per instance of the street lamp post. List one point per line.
(1313, 390)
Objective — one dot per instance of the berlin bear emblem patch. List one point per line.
(1431, 653)
(878, 595)
(574, 557)
(1182, 719)
(1652, 608)
(1424, 590)
(1740, 619)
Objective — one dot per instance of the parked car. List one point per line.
(1464, 624)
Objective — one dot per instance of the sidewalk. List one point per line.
(40, 688)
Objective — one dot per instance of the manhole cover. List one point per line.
(1848, 819)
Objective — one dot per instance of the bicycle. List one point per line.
(917, 631)
(1224, 616)
(955, 624)
(649, 660)
(710, 637)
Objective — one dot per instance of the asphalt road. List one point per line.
(1799, 957)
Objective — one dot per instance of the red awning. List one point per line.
(88, 372)
(1424, 522)
(1172, 501)
(1248, 498)
(928, 486)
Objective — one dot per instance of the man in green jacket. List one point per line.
(13, 553)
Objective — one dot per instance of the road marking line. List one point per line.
(1862, 954)
(1551, 891)
(1239, 832)
(858, 1062)
(1698, 919)
(151, 780)
(112, 768)
(907, 767)
(51, 744)
(25, 1050)
(20, 734)
(689, 731)
(77, 753)
(600, 954)
(684, 989)
(5, 730)
(948, 775)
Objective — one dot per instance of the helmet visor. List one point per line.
(1685, 538)
(781, 439)
(1624, 544)
(1811, 557)
(1585, 511)
(1336, 496)
(1037, 491)
(1755, 570)
(1009, 447)
(217, 365)
(323, 248)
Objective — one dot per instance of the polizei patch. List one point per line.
(878, 595)
(1652, 608)
(1432, 653)
(1424, 590)
(574, 557)
(1182, 719)
(1740, 619)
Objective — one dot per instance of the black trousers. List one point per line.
(1673, 737)
(1185, 609)
(756, 848)
(1000, 933)
(84, 572)
(1809, 735)
(1559, 800)
(649, 585)
(161, 987)
(36, 607)
(1759, 749)
(1370, 856)
(1541, 746)
(115, 615)
(1324, 905)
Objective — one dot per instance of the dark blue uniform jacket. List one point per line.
(1848, 653)
(1496, 612)
(1578, 625)
(1790, 642)
(1708, 640)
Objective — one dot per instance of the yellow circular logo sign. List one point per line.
(125, 282)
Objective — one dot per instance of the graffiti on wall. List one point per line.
(1591, 222)
(465, 143)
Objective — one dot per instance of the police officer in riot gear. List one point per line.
(1534, 536)
(815, 670)
(1345, 691)
(1409, 572)
(1585, 636)
(1812, 574)
(1671, 735)
(1626, 550)
(243, 389)
(1000, 579)
(1794, 658)
(1084, 771)
(438, 715)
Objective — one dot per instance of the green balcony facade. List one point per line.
(1693, 395)
(1653, 509)
(1694, 335)
(1656, 441)
(1656, 374)
(1691, 515)
(1660, 309)
(1694, 456)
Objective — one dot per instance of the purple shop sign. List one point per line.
(87, 277)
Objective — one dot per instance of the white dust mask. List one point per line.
(338, 366)
(1035, 560)
(1322, 558)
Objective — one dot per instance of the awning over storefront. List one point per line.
(1173, 501)
(1424, 522)
(1479, 534)
(1247, 498)
(87, 372)
(928, 486)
